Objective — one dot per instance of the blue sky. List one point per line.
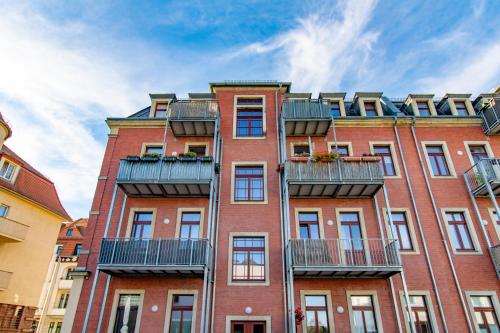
(66, 66)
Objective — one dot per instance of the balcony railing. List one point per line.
(193, 118)
(484, 173)
(362, 178)
(5, 279)
(345, 258)
(12, 231)
(161, 177)
(491, 116)
(495, 254)
(154, 256)
(306, 117)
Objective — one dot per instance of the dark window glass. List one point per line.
(181, 318)
(58, 327)
(161, 110)
(127, 303)
(248, 327)
(249, 117)
(154, 150)
(420, 314)
(199, 150)
(437, 160)
(353, 243)
(248, 259)
(363, 314)
(69, 232)
(461, 108)
(460, 236)
(335, 109)
(341, 150)
(190, 225)
(78, 248)
(309, 225)
(401, 232)
(370, 109)
(478, 153)
(300, 150)
(485, 314)
(387, 162)
(59, 250)
(63, 301)
(249, 183)
(3, 210)
(141, 227)
(423, 108)
(316, 316)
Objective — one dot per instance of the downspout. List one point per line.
(283, 244)
(216, 231)
(441, 232)
(166, 127)
(381, 231)
(420, 229)
(108, 280)
(96, 275)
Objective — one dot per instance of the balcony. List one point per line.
(344, 258)
(12, 231)
(306, 117)
(4, 279)
(490, 113)
(193, 118)
(121, 256)
(162, 177)
(65, 284)
(495, 254)
(484, 173)
(337, 179)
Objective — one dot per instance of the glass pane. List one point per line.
(405, 241)
(191, 217)
(187, 321)
(304, 231)
(183, 300)
(464, 233)
(417, 301)
(359, 326)
(258, 328)
(144, 217)
(185, 231)
(314, 230)
(481, 301)
(175, 322)
(315, 301)
(371, 326)
(195, 231)
(349, 217)
(361, 300)
(322, 321)
(308, 217)
(310, 321)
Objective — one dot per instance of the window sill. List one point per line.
(234, 202)
(249, 283)
(249, 137)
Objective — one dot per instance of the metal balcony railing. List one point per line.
(189, 109)
(484, 173)
(491, 116)
(12, 231)
(164, 178)
(124, 255)
(306, 117)
(495, 254)
(367, 257)
(334, 179)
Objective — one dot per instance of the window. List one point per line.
(141, 226)
(370, 109)
(58, 327)
(69, 232)
(63, 301)
(316, 316)
(423, 108)
(10, 317)
(127, 303)
(200, 150)
(248, 259)
(67, 275)
(484, 313)
(248, 327)
(341, 150)
(335, 109)
(4, 209)
(78, 248)
(161, 110)
(153, 150)
(301, 150)
(401, 232)
(7, 170)
(461, 108)
(459, 232)
(59, 250)
(51, 327)
(309, 225)
(387, 163)
(190, 225)
(478, 152)
(420, 314)
(249, 117)
(249, 183)
(363, 314)
(437, 160)
(181, 318)
(353, 243)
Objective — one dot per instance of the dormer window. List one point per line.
(161, 110)
(461, 108)
(370, 109)
(69, 232)
(423, 108)
(8, 170)
(335, 109)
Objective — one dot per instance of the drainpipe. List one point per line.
(108, 280)
(283, 243)
(165, 131)
(441, 231)
(216, 231)
(420, 229)
(96, 275)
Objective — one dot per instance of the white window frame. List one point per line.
(468, 106)
(170, 298)
(300, 143)
(447, 157)
(266, 281)
(430, 103)
(336, 100)
(194, 143)
(235, 117)
(486, 145)
(492, 214)
(331, 144)
(130, 221)
(231, 318)
(15, 170)
(470, 226)
(263, 164)
(376, 307)
(376, 100)
(364, 234)
(7, 208)
(411, 228)
(394, 156)
(114, 308)
(429, 304)
(145, 145)
(329, 306)
(316, 210)
(494, 301)
(178, 223)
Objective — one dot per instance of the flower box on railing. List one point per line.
(133, 158)
(300, 158)
(360, 158)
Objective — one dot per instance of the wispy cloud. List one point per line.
(324, 47)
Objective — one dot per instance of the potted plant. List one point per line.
(150, 157)
(325, 156)
(280, 168)
(188, 157)
(299, 316)
(206, 158)
(170, 158)
(132, 158)
(302, 157)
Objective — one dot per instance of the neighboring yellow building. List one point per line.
(30, 219)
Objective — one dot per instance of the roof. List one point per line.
(201, 96)
(163, 96)
(4, 123)
(79, 226)
(297, 95)
(32, 184)
(250, 83)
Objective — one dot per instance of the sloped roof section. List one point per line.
(33, 185)
(79, 226)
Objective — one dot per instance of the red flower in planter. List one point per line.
(299, 315)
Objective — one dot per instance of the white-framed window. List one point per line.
(387, 152)
(461, 231)
(403, 230)
(422, 310)
(4, 210)
(477, 150)
(249, 119)
(199, 148)
(249, 183)
(485, 310)
(8, 170)
(248, 259)
(126, 301)
(182, 306)
(152, 148)
(461, 107)
(318, 311)
(364, 311)
(343, 149)
(438, 159)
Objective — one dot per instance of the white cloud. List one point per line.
(325, 47)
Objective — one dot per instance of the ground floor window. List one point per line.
(181, 319)
(363, 314)
(55, 327)
(126, 313)
(420, 314)
(248, 327)
(10, 316)
(484, 312)
(316, 314)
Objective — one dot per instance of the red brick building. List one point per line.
(249, 208)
